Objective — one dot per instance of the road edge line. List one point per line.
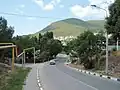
(95, 74)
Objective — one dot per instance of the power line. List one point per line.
(23, 15)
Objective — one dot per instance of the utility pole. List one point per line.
(34, 55)
(13, 58)
(24, 58)
(117, 43)
(106, 15)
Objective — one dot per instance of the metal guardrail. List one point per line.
(20, 54)
(13, 50)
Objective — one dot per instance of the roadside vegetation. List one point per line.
(46, 48)
(88, 50)
(9, 80)
(13, 80)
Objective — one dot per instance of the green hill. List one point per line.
(72, 27)
(99, 23)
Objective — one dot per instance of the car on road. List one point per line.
(52, 62)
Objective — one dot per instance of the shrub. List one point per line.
(114, 49)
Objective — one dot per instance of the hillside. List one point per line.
(99, 23)
(72, 27)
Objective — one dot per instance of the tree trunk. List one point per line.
(2, 56)
(98, 64)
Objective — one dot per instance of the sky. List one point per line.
(43, 12)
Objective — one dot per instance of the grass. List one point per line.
(66, 29)
(99, 23)
(116, 53)
(14, 80)
(63, 29)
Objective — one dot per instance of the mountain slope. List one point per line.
(99, 23)
(65, 29)
(72, 27)
(75, 21)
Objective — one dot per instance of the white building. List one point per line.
(65, 39)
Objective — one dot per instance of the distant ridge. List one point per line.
(73, 27)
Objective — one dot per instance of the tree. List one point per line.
(54, 47)
(87, 48)
(44, 56)
(113, 21)
(48, 35)
(44, 39)
(40, 36)
(6, 34)
(49, 47)
(43, 42)
(25, 42)
(101, 39)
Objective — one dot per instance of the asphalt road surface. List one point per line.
(31, 80)
(60, 77)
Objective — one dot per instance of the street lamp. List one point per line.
(106, 69)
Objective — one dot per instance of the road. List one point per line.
(31, 80)
(60, 77)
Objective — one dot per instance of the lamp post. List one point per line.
(106, 15)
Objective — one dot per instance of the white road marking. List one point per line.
(41, 88)
(37, 78)
(39, 84)
(79, 81)
(38, 81)
(37, 75)
(92, 73)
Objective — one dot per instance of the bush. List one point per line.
(37, 56)
(88, 65)
(14, 80)
(44, 56)
(114, 49)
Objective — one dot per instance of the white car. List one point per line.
(52, 62)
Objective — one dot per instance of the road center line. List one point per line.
(41, 88)
(38, 81)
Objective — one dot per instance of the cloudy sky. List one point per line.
(43, 12)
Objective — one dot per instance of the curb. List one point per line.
(95, 74)
(38, 80)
